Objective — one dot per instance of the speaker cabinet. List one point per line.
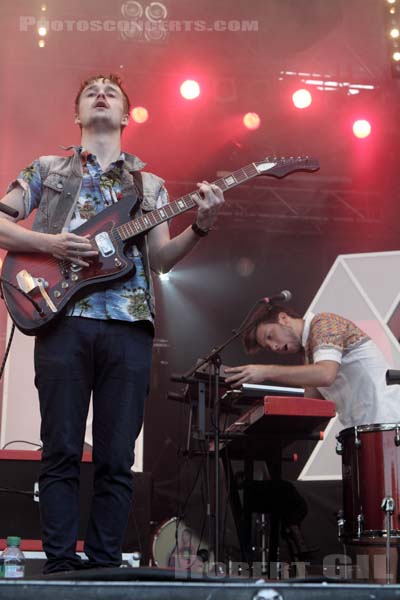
(19, 512)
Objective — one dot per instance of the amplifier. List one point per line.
(19, 509)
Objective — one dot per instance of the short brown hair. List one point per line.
(266, 313)
(113, 78)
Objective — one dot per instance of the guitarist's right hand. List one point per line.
(72, 247)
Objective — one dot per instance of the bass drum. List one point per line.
(371, 478)
(177, 546)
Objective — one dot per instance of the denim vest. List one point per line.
(62, 179)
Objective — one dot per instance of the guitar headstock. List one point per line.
(280, 166)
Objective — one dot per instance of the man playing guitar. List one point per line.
(102, 344)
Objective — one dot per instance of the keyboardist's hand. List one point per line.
(247, 374)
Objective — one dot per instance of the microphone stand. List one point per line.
(214, 359)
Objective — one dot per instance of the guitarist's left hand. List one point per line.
(209, 201)
(166, 252)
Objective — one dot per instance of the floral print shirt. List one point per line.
(329, 336)
(126, 300)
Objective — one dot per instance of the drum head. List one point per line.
(176, 545)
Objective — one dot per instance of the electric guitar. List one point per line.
(37, 287)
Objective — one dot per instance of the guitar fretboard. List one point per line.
(181, 205)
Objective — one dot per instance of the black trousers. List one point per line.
(77, 358)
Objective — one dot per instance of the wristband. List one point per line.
(199, 231)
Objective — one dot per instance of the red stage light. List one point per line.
(190, 89)
(139, 114)
(302, 98)
(251, 120)
(361, 128)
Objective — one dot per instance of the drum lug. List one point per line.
(360, 524)
(397, 436)
(357, 441)
(340, 523)
(387, 505)
(339, 448)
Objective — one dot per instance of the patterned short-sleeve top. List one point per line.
(330, 336)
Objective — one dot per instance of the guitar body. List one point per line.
(49, 284)
(62, 281)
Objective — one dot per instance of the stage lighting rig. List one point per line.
(324, 82)
(393, 28)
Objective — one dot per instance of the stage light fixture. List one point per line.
(164, 276)
(43, 8)
(190, 89)
(42, 30)
(394, 33)
(41, 43)
(396, 56)
(361, 128)
(251, 120)
(391, 1)
(302, 98)
(140, 114)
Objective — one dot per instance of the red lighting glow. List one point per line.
(302, 98)
(190, 89)
(361, 128)
(140, 114)
(251, 120)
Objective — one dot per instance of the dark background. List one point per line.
(271, 234)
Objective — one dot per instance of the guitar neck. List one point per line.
(181, 205)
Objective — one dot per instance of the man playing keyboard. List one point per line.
(341, 363)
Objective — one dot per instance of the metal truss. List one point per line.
(285, 207)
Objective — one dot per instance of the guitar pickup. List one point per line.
(104, 244)
(29, 284)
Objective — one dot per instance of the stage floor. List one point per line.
(180, 590)
(164, 584)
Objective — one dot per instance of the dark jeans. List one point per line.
(110, 359)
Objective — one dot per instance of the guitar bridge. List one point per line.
(29, 284)
(35, 285)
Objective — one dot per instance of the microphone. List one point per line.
(392, 377)
(283, 296)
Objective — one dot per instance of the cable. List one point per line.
(22, 442)
(13, 491)
(8, 348)
(26, 295)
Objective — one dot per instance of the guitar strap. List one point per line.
(138, 183)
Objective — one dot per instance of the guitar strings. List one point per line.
(247, 172)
